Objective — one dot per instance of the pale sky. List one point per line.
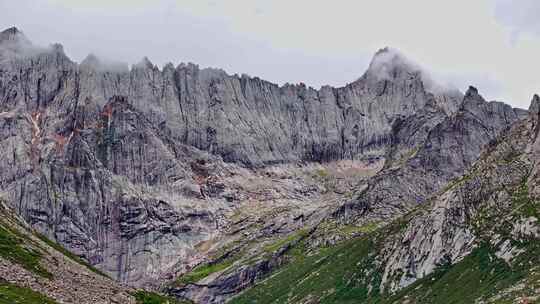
(491, 44)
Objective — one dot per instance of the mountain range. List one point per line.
(179, 184)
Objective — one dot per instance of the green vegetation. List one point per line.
(27, 252)
(456, 182)
(14, 248)
(527, 288)
(146, 297)
(331, 274)
(478, 275)
(502, 221)
(322, 173)
(292, 238)
(331, 228)
(347, 274)
(202, 271)
(367, 228)
(523, 203)
(223, 259)
(68, 254)
(11, 293)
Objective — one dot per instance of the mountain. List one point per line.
(475, 241)
(443, 153)
(405, 183)
(37, 270)
(212, 187)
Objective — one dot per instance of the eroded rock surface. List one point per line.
(434, 149)
(148, 173)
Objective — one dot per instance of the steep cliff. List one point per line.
(37, 270)
(428, 150)
(202, 182)
(109, 161)
(244, 120)
(475, 241)
(434, 149)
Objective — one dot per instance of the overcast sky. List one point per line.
(492, 44)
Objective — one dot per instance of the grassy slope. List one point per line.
(145, 297)
(329, 274)
(10, 294)
(337, 275)
(14, 247)
(478, 275)
(18, 245)
(346, 273)
(21, 249)
(202, 271)
(68, 254)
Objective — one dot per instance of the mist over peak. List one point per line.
(388, 62)
(12, 38)
(391, 64)
(10, 33)
(15, 45)
(155, 173)
(94, 62)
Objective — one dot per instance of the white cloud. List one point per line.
(318, 42)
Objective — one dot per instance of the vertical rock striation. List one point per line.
(131, 167)
(432, 149)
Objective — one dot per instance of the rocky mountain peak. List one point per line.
(91, 59)
(13, 37)
(10, 34)
(145, 63)
(534, 108)
(93, 62)
(472, 96)
(169, 67)
(57, 47)
(157, 173)
(14, 44)
(471, 91)
(389, 63)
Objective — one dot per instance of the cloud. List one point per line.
(175, 31)
(105, 65)
(462, 42)
(388, 61)
(14, 45)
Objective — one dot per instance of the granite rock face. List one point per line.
(474, 241)
(428, 150)
(242, 119)
(57, 275)
(432, 149)
(140, 169)
(493, 203)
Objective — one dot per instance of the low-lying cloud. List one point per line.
(461, 42)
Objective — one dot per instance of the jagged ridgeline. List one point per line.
(200, 186)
